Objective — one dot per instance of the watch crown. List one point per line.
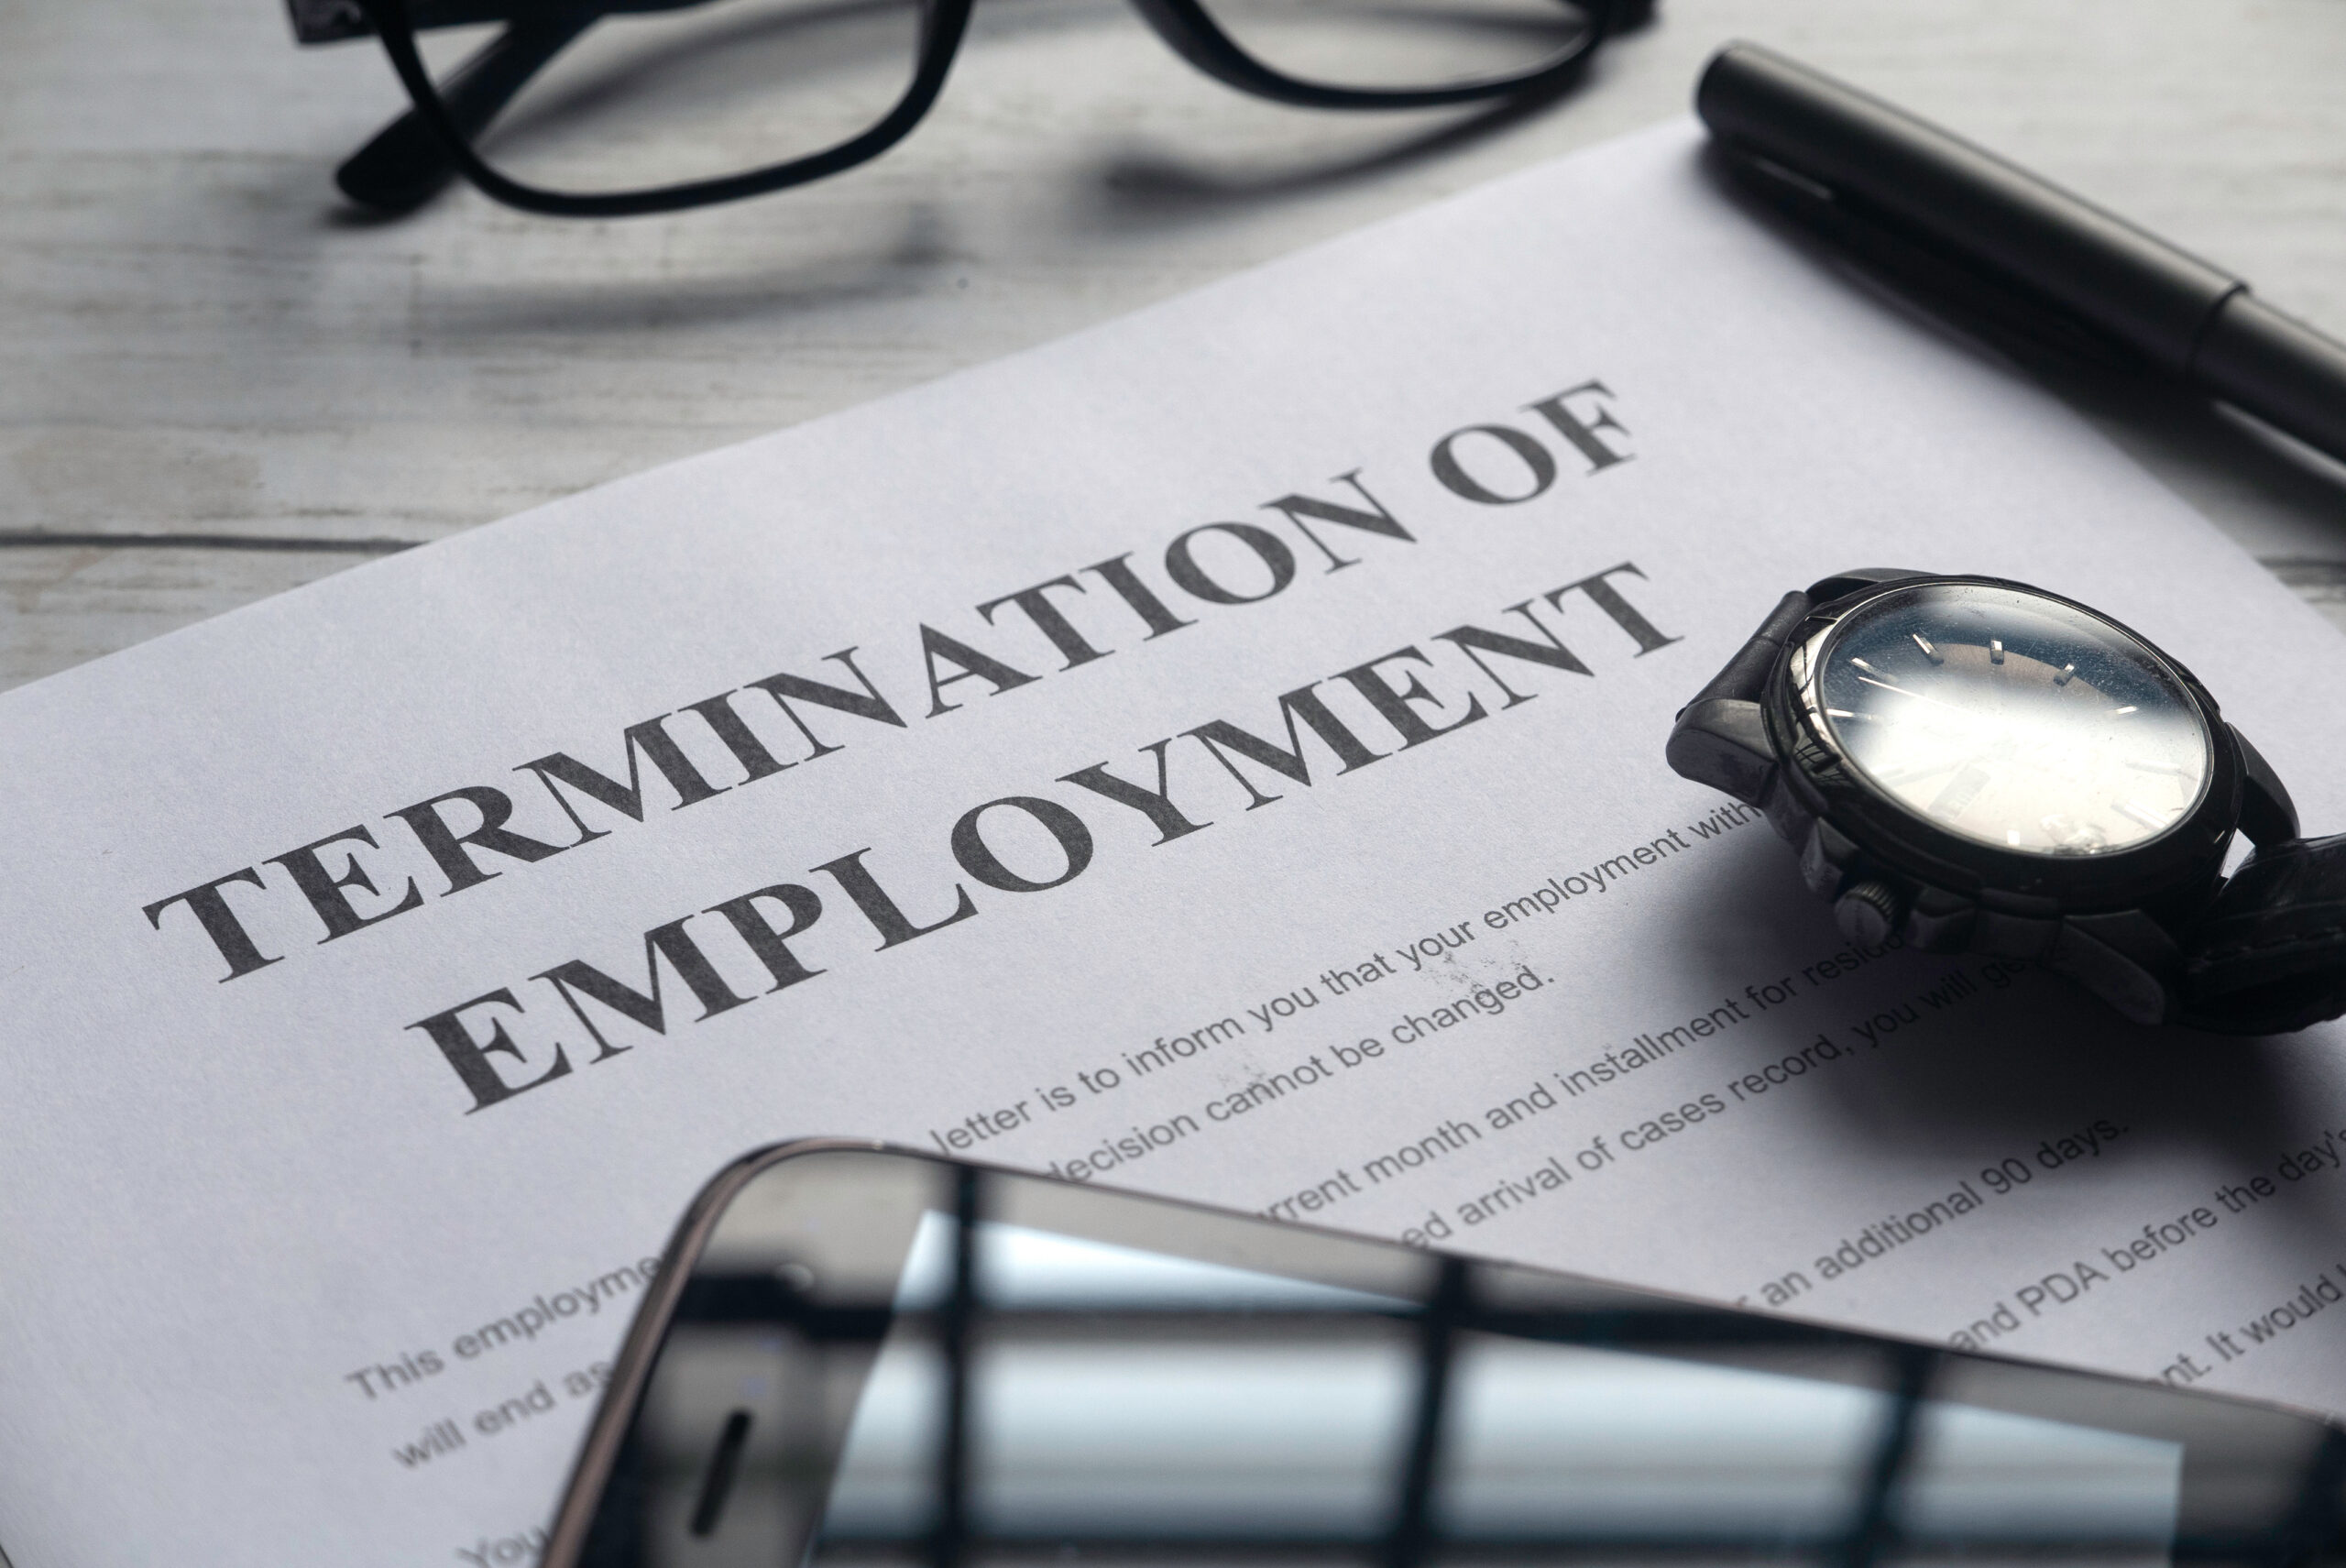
(1869, 912)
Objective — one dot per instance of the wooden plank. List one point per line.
(61, 606)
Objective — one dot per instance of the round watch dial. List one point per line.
(2011, 718)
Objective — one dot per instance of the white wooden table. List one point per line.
(218, 382)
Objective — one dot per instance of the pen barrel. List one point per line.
(2281, 370)
(1960, 201)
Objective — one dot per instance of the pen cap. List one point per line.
(1961, 202)
(2279, 369)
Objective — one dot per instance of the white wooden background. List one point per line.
(199, 342)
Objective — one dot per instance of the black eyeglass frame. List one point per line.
(1184, 24)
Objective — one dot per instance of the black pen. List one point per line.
(2028, 255)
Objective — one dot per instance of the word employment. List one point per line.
(741, 944)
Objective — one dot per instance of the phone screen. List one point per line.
(898, 1361)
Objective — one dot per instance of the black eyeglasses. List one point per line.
(600, 108)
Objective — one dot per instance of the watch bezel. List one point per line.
(1896, 838)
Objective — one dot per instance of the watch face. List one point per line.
(2011, 718)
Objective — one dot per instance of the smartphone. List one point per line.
(857, 1355)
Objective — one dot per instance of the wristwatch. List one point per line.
(1969, 765)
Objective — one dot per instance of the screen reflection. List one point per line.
(963, 1367)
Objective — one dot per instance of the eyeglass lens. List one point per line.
(1403, 46)
(693, 92)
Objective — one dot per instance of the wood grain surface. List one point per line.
(218, 381)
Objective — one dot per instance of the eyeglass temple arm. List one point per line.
(407, 163)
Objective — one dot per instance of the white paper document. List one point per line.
(1220, 753)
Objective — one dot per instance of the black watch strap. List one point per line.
(2270, 955)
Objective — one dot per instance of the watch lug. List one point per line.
(2136, 936)
(1723, 742)
(2267, 815)
(1940, 922)
(1825, 858)
(1826, 589)
(1784, 812)
(2127, 958)
(2016, 925)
